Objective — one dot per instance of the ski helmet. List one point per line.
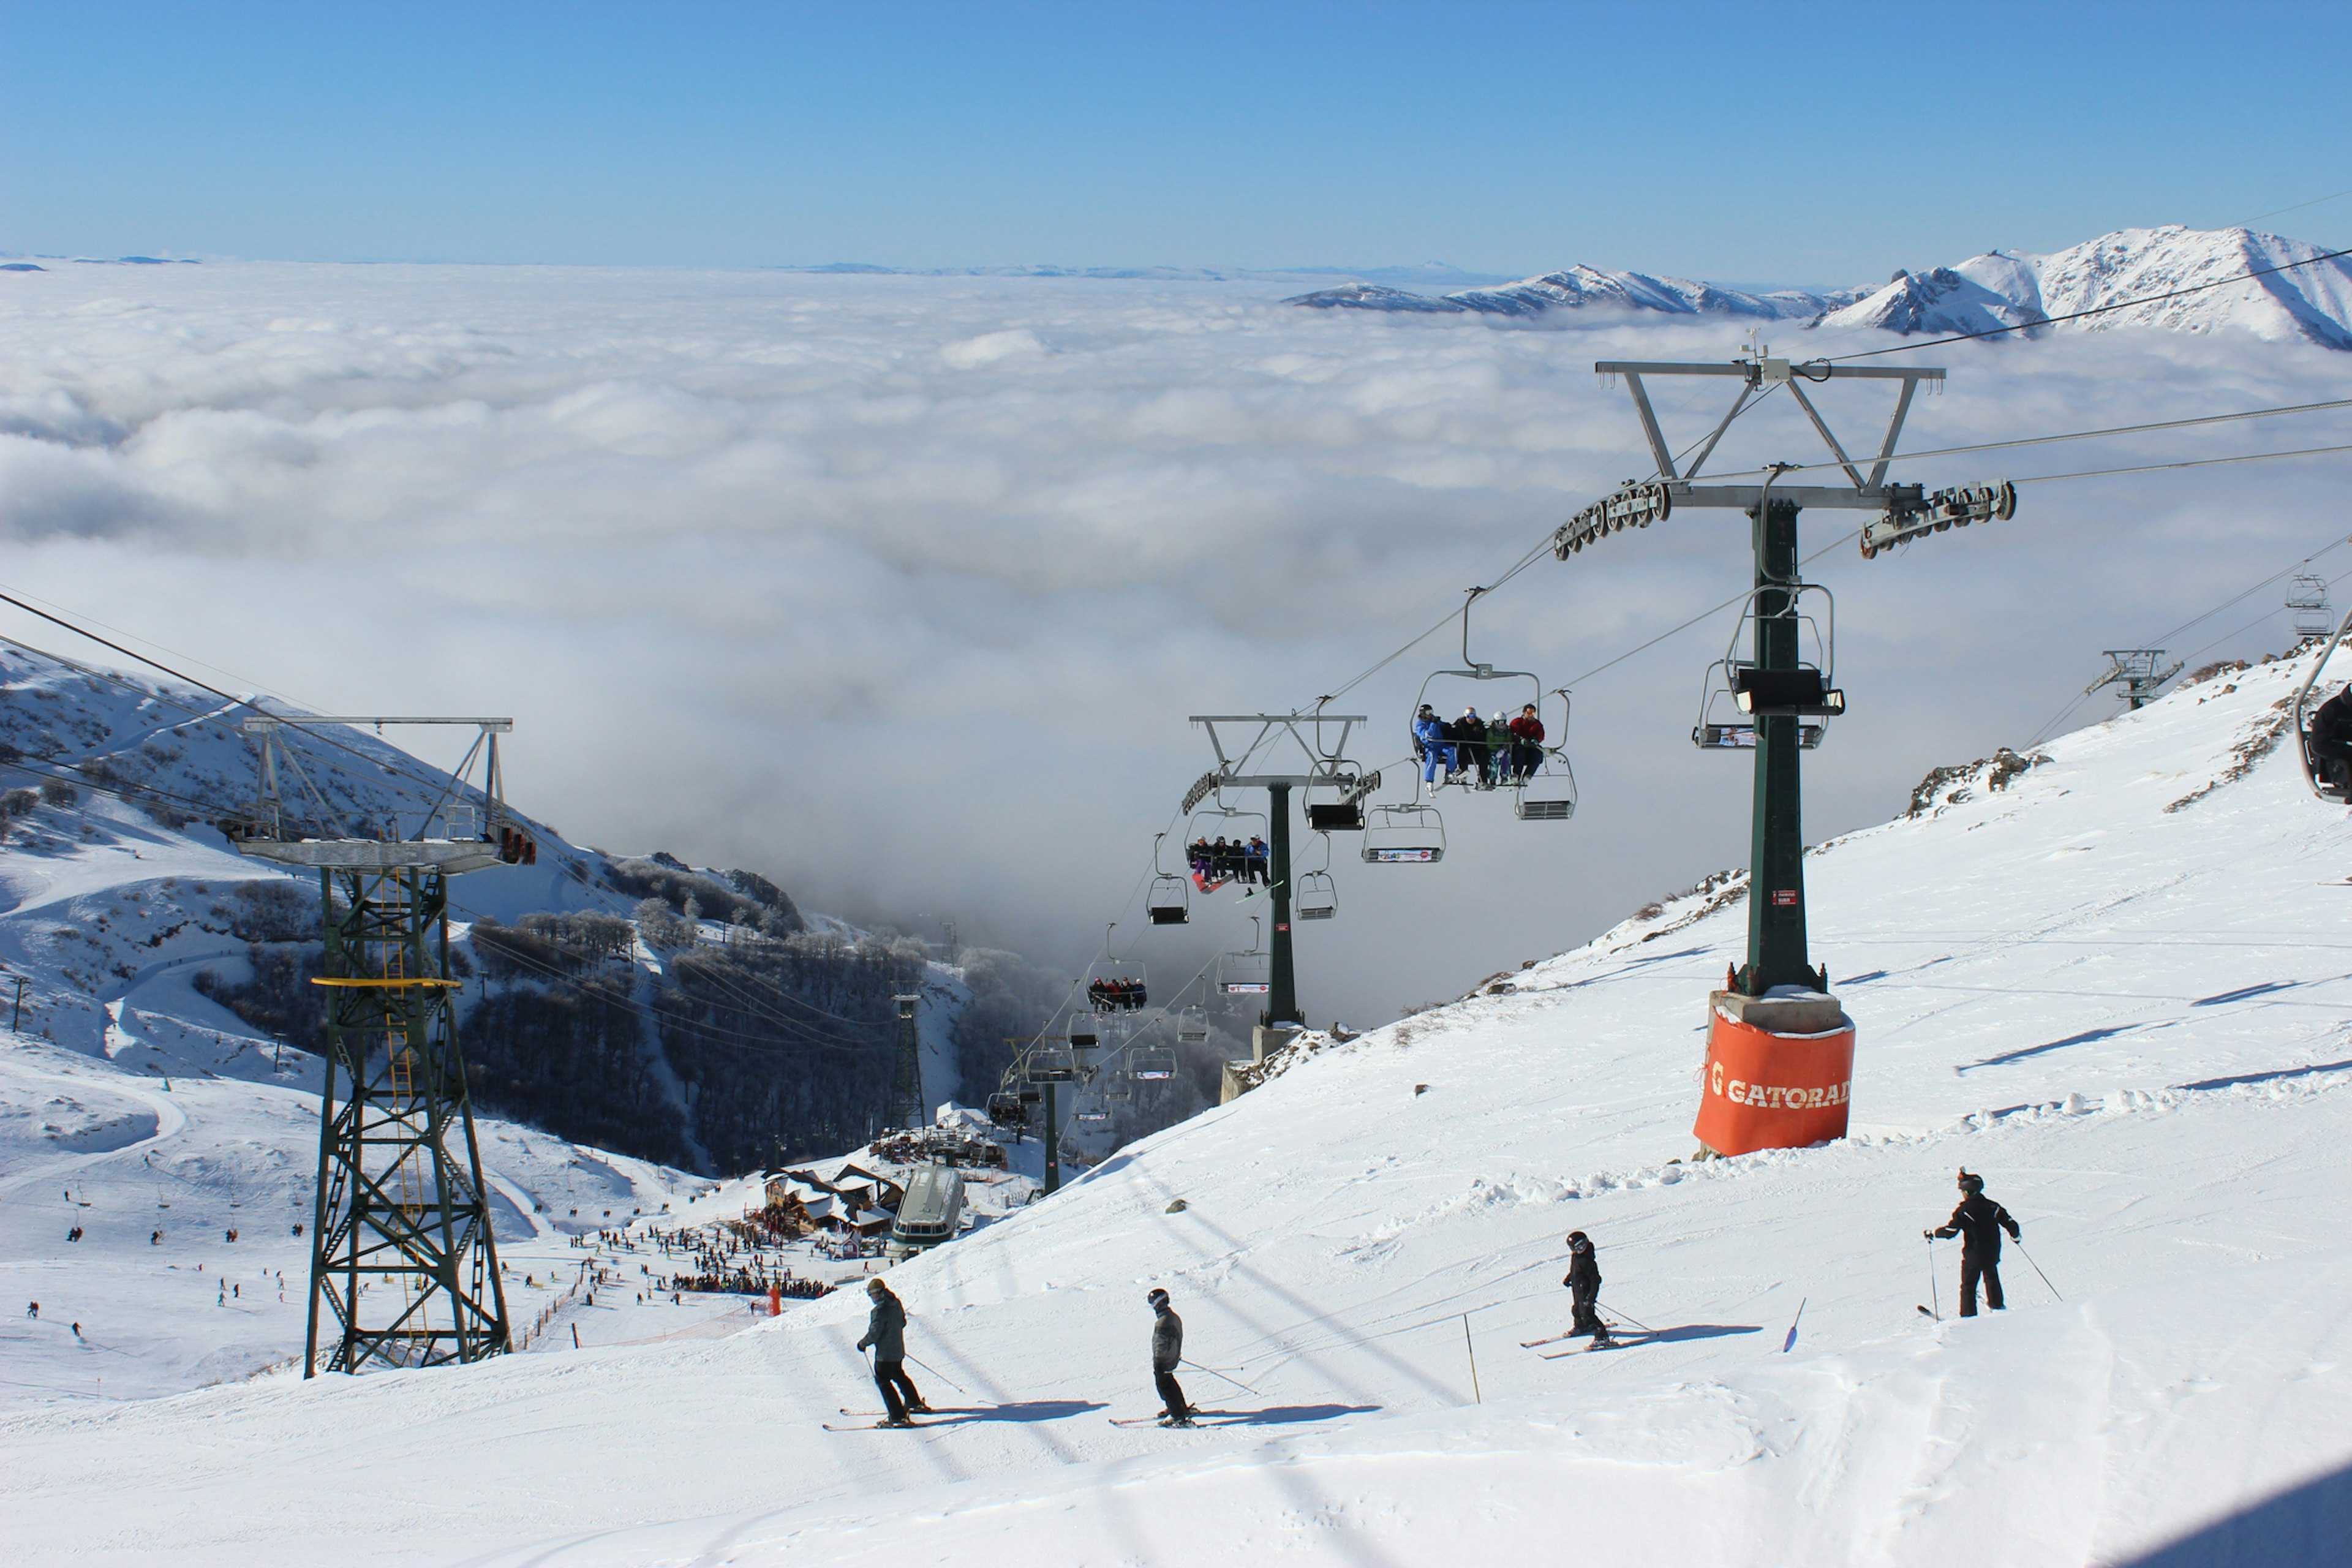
(1971, 1184)
(875, 1287)
(1577, 1238)
(1158, 1298)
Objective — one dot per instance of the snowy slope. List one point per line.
(2115, 985)
(1999, 288)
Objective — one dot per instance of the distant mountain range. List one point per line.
(1999, 288)
(1428, 274)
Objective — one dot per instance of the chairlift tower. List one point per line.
(1795, 1051)
(2134, 669)
(401, 1202)
(1278, 752)
(906, 1106)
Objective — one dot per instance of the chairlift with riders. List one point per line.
(1735, 693)
(1494, 769)
(1116, 984)
(2318, 731)
(1207, 878)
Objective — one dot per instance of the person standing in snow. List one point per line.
(1583, 1282)
(1167, 1352)
(885, 1331)
(1979, 1222)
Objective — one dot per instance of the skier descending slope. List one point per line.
(1167, 1349)
(886, 1331)
(1583, 1282)
(1979, 1222)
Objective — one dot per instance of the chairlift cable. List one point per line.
(2075, 435)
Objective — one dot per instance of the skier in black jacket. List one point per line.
(1583, 1282)
(1979, 1222)
(1167, 1350)
(886, 1331)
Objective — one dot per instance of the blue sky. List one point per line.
(1823, 143)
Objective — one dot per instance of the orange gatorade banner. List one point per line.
(1765, 1091)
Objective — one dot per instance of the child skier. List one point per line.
(1979, 1222)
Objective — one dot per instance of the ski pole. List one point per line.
(1213, 1371)
(1939, 1313)
(1791, 1342)
(2037, 1268)
(944, 1377)
(1476, 1396)
(1600, 1305)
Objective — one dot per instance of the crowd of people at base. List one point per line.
(743, 1283)
(1477, 753)
(1229, 860)
(1116, 995)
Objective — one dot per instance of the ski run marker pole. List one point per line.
(1791, 1342)
(1476, 1397)
(2037, 1268)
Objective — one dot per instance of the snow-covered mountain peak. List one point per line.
(1999, 288)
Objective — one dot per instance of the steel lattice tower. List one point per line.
(404, 1264)
(402, 1259)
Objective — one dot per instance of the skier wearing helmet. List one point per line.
(1167, 1350)
(886, 1331)
(1979, 1222)
(1583, 1282)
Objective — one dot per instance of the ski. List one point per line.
(1546, 1339)
(877, 1427)
(1588, 1349)
(1155, 1420)
(928, 1410)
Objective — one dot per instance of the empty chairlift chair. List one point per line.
(1245, 974)
(1169, 902)
(1193, 1025)
(1407, 835)
(1051, 1061)
(1152, 1064)
(1317, 898)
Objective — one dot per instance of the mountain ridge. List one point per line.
(2297, 296)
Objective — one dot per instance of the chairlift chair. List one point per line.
(1409, 834)
(1116, 984)
(1220, 821)
(1316, 899)
(1475, 672)
(1006, 1108)
(1170, 900)
(1151, 1064)
(1050, 1061)
(1096, 1114)
(1192, 1024)
(1735, 693)
(1549, 794)
(2330, 778)
(1249, 974)
(2306, 597)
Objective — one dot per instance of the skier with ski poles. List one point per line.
(886, 1331)
(1979, 1222)
(1167, 1350)
(1583, 1282)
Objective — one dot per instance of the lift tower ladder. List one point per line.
(401, 1205)
(1278, 752)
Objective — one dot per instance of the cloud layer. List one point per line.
(902, 588)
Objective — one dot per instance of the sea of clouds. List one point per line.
(901, 589)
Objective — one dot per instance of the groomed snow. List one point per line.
(2114, 985)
